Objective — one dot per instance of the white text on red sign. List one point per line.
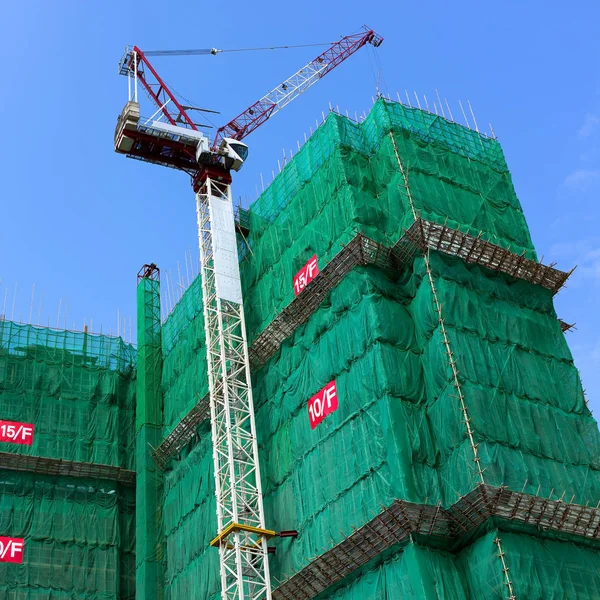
(306, 274)
(322, 404)
(16, 433)
(11, 550)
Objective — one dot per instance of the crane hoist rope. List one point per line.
(174, 140)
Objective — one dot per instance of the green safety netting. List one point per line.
(189, 507)
(347, 179)
(78, 390)
(378, 336)
(190, 521)
(522, 391)
(399, 431)
(415, 572)
(79, 538)
(539, 570)
(380, 340)
(184, 349)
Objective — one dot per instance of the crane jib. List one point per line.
(254, 116)
(284, 93)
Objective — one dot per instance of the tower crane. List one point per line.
(171, 138)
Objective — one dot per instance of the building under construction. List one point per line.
(421, 426)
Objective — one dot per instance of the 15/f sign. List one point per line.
(306, 274)
(16, 433)
(11, 550)
(322, 404)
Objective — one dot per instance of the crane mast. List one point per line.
(242, 538)
(242, 535)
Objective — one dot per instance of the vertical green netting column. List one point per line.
(149, 531)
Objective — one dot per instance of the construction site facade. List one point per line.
(420, 421)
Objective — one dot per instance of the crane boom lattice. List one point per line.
(272, 102)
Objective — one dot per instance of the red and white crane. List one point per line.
(171, 138)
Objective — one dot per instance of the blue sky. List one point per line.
(78, 220)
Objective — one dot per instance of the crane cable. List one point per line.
(215, 51)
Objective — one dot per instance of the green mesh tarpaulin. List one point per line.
(74, 387)
(399, 431)
(77, 389)
(346, 179)
(79, 538)
(190, 521)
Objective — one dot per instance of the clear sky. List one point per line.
(78, 221)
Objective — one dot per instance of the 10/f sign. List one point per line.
(11, 550)
(16, 433)
(306, 274)
(322, 404)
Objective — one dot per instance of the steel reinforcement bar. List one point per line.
(434, 524)
(362, 251)
(68, 468)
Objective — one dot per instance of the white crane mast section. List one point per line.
(242, 538)
(226, 266)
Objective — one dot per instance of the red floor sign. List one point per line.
(322, 404)
(16, 433)
(11, 550)
(306, 274)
